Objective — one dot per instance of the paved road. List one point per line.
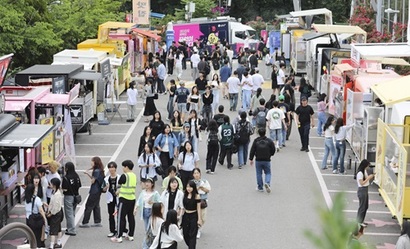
(238, 215)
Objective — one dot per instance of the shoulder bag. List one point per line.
(35, 221)
(77, 197)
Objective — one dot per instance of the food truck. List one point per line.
(393, 146)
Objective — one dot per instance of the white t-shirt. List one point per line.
(249, 85)
(178, 60)
(190, 159)
(132, 96)
(257, 80)
(195, 59)
(275, 117)
(280, 77)
(360, 176)
(50, 176)
(36, 207)
(330, 131)
(233, 84)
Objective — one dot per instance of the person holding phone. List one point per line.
(363, 180)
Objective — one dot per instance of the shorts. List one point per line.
(55, 222)
(182, 107)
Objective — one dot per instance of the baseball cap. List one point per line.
(281, 97)
(187, 125)
(303, 98)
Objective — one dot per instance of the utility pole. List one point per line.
(296, 5)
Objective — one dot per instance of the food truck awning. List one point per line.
(15, 106)
(382, 49)
(84, 75)
(147, 33)
(25, 136)
(393, 91)
(338, 29)
(60, 99)
(46, 71)
(389, 61)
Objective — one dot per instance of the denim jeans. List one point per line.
(329, 148)
(69, 210)
(146, 214)
(242, 153)
(233, 100)
(276, 135)
(161, 86)
(340, 154)
(321, 120)
(304, 135)
(170, 107)
(246, 99)
(265, 167)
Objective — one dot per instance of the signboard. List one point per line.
(274, 41)
(76, 114)
(4, 66)
(334, 91)
(380, 152)
(141, 11)
(105, 68)
(47, 145)
(355, 56)
(58, 85)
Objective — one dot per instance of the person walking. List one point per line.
(167, 145)
(126, 193)
(181, 99)
(247, 87)
(161, 72)
(201, 82)
(215, 86)
(155, 223)
(184, 135)
(188, 160)
(172, 197)
(329, 132)
(207, 100)
(363, 181)
(94, 195)
(191, 220)
(195, 59)
(304, 120)
(132, 94)
(233, 84)
(257, 80)
(194, 100)
(262, 150)
(257, 96)
(276, 121)
(321, 114)
(176, 123)
(340, 135)
(149, 94)
(171, 60)
(404, 240)
(171, 100)
(304, 89)
(195, 124)
(147, 162)
(203, 188)
(33, 205)
(145, 138)
(288, 117)
(244, 130)
(112, 198)
(71, 184)
(172, 173)
(179, 56)
(53, 167)
(274, 79)
(169, 234)
(156, 124)
(55, 214)
(212, 147)
(225, 135)
(225, 73)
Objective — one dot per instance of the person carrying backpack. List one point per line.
(259, 115)
(244, 130)
(213, 147)
(262, 150)
(225, 135)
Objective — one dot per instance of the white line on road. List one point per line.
(383, 234)
(322, 183)
(98, 144)
(368, 211)
(101, 133)
(351, 191)
(336, 175)
(322, 148)
(91, 157)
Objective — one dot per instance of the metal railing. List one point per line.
(22, 227)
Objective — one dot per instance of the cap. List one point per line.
(150, 179)
(303, 98)
(182, 82)
(281, 97)
(187, 125)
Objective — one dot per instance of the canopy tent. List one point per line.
(390, 61)
(394, 91)
(147, 33)
(344, 30)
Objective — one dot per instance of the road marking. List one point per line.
(101, 133)
(368, 211)
(98, 144)
(351, 191)
(336, 175)
(383, 234)
(319, 177)
(323, 148)
(80, 211)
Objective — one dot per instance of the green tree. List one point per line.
(203, 8)
(336, 230)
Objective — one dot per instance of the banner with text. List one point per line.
(141, 11)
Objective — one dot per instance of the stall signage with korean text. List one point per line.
(141, 11)
(59, 85)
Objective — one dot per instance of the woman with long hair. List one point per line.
(213, 147)
(203, 188)
(207, 100)
(156, 124)
(155, 223)
(34, 205)
(255, 103)
(191, 220)
(172, 197)
(147, 197)
(216, 85)
(171, 61)
(55, 214)
(195, 124)
(179, 56)
(71, 184)
(329, 132)
(194, 99)
(274, 78)
(132, 94)
(149, 93)
(38, 188)
(188, 160)
(169, 234)
(340, 135)
(269, 103)
(170, 105)
(167, 144)
(363, 180)
(176, 123)
(93, 201)
(147, 163)
(404, 240)
(145, 138)
(321, 113)
(304, 89)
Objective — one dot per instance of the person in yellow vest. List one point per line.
(126, 193)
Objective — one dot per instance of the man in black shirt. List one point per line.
(201, 82)
(253, 60)
(304, 120)
(219, 118)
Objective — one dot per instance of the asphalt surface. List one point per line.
(238, 215)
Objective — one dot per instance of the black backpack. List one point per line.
(244, 134)
(264, 147)
(213, 138)
(261, 117)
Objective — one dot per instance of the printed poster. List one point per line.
(47, 145)
(141, 11)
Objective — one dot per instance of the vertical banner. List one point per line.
(140, 11)
(68, 137)
(334, 90)
(4, 66)
(47, 145)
